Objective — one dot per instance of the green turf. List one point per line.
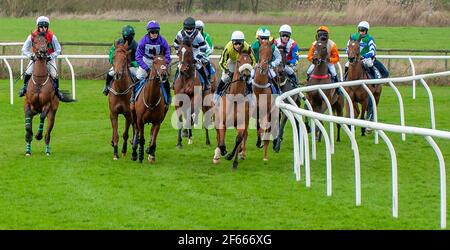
(80, 186)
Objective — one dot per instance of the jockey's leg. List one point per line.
(333, 73)
(384, 73)
(26, 79)
(309, 71)
(290, 72)
(56, 88)
(370, 111)
(166, 86)
(224, 80)
(202, 72)
(51, 67)
(141, 74)
(346, 70)
(109, 78)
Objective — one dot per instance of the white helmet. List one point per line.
(285, 28)
(263, 31)
(237, 36)
(199, 24)
(42, 19)
(364, 24)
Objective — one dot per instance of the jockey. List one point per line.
(199, 47)
(200, 26)
(152, 41)
(228, 60)
(368, 51)
(127, 36)
(54, 50)
(291, 48)
(333, 53)
(264, 34)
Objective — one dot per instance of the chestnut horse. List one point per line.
(263, 92)
(40, 96)
(119, 96)
(150, 108)
(233, 111)
(320, 76)
(356, 71)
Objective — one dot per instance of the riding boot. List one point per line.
(249, 92)
(166, 86)
(56, 88)
(370, 111)
(26, 79)
(203, 73)
(376, 73)
(335, 78)
(307, 77)
(218, 92)
(107, 84)
(294, 80)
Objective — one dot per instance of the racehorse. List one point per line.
(358, 94)
(149, 107)
(40, 96)
(233, 111)
(119, 96)
(184, 85)
(263, 92)
(320, 76)
(284, 85)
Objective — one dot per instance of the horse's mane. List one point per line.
(187, 41)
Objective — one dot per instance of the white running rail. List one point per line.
(301, 144)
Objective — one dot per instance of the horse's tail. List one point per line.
(65, 96)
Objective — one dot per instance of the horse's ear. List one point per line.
(153, 51)
(250, 51)
(351, 38)
(115, 44)
(359, 38)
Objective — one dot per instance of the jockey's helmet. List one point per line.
(364, 25)
(322, 33)
(199, 24)
(42, 21)
(285, 29)
(237, 36)
(189, 23)
(263, 32)
(128, 33)
(153, 25)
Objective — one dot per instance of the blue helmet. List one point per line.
(153, 25)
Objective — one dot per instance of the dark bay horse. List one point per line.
(233, 111)
(187, 103)
(263, 92)
(285, 85)
(358, 94)
(150, 108)
(40, 96)
(320, 76)
(119, 96)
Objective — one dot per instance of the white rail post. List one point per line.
(394, 174)
(430, 98)
(374, 109)
(11, 82)
(400, 102)
(72, 73)
(330, 111)
(413, 70)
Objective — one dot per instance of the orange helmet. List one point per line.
(324, 28)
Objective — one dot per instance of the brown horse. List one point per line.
(40, 96)
(150, 108)
(119, 96)
(263, 92)
(285, 85)
(233, 111)
(320, 76)
(358, 94)
(185, 83)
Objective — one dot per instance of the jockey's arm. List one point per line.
(210, 45)
(56, 48)
(166, 47)
(140, 51)
(334, 55)
(277, 58)
(26, 48)
(224, 59)
(176, 43)
(311, 52)
(294, 53)
(111, 54)
(372, 49)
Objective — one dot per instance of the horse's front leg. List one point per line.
(141, 141)
(180, 127)
(152, 149)
(113, 116)
(28, 130)
(41, 125)
(50, 123)
(125, 135)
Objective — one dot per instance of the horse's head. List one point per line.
(40, 46)
(244, 65)
(280, 68)
(159, 70)
(320, 53)
(265, 55)
(121, 59)
(185, 56)
(353, 50)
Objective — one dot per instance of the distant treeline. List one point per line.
(20, 8)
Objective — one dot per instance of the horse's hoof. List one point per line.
(38, 137)
(235, 165)
(208, 143)
(179, 146)
(28, 154)
(124, 154)
(229, 157)
(151, 159)
(216, 161)
(185, 133)
(265, 159)
(47, 154)
(190, 142)
(133, 158)
(115, 158)
(242, 156)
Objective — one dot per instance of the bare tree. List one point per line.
(255, 4)
(188, 6)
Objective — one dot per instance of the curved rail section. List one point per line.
(301, 143)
